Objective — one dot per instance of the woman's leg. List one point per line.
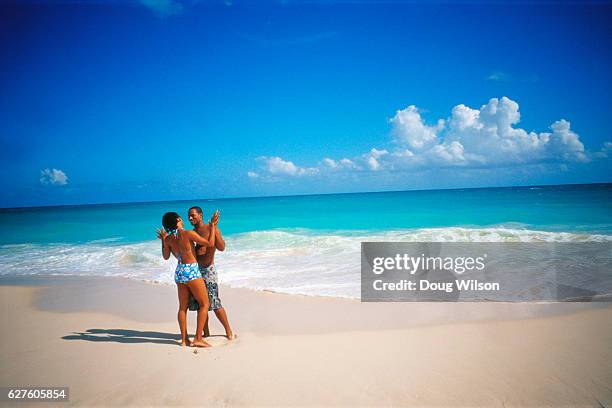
(198, 290)
(183, 295)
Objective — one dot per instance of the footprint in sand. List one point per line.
(220, 340)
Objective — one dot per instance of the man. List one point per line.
(205, 257)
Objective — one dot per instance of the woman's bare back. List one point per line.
(182, 247)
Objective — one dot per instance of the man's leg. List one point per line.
(183, 295)
(206, 331)
(215, 304)
(203, 272)
(222, 316)
(198, 290)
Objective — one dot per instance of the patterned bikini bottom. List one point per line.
(186, 272)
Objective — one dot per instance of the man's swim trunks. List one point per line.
(186, 272)
(209, 274)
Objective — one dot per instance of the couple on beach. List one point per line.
(195, 275)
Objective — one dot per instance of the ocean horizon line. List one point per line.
(6, 209)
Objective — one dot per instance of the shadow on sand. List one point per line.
(125, 336)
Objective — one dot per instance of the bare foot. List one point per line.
(231, 336)
(186, 343)
(200, 343)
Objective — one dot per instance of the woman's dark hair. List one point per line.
(169, 220)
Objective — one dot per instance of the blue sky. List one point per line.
(163, 100)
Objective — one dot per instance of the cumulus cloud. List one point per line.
(605, 150)
(163, 8)
(332, 164)
(276, 166)
(345, 164)
(53, 177)
(372, 158)
(489, 137)
(410, 129)
(484, 137)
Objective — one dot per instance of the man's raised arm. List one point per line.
(198, 239)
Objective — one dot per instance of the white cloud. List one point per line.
(372, 158)
(332, 164)
(348, 164)
(448, 153)
(53, 177)
(488, 136)
(605, 150)
(343, 164)
(480, 137)
(470, 138)
(565, 142)
(163, 8)
(276, 166)
(498, 76)
(409, 128)
(252, 174)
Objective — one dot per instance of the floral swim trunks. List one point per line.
(209, 274)
(186, 272)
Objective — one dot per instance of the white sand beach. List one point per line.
(114, 343)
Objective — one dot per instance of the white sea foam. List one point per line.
(295, 261)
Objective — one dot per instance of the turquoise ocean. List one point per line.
(296, 244)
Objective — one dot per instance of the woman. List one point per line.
(180, 242)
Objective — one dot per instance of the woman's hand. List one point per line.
(162, 234)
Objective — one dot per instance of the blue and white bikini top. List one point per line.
(174, 232)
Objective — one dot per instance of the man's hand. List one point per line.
(162, 234)
(215, 218)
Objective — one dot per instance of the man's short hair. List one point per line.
(198, 209)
